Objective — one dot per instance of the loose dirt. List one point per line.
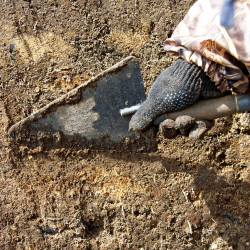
(188, 194)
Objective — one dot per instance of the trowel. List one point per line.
(89, 115)
(96, 114)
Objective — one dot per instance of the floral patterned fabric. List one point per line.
(224, 54)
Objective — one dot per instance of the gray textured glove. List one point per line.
(176, 88)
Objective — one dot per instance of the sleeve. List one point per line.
(224, 54)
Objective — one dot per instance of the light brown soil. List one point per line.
(189, 194)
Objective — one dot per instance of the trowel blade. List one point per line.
(89, 117)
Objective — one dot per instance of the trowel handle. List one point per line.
(206, 109)
(130, 111)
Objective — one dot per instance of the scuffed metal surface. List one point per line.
(89, 116)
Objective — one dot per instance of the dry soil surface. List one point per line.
(189, 194)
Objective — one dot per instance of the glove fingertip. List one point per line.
(142, 118)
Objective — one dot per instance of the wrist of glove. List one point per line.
(176, 88)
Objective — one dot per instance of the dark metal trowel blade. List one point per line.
(89, 117)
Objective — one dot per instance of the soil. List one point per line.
(188, 194)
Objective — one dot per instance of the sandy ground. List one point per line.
(189, 194)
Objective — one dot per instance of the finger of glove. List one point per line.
(143, 117)
(200, 128)
(168, 129)
(184, 124)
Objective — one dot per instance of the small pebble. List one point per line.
(168, 129)
(49, 230)
(200, 129)
(185, 123)
(11, 48)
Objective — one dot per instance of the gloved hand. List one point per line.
(176, 88)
